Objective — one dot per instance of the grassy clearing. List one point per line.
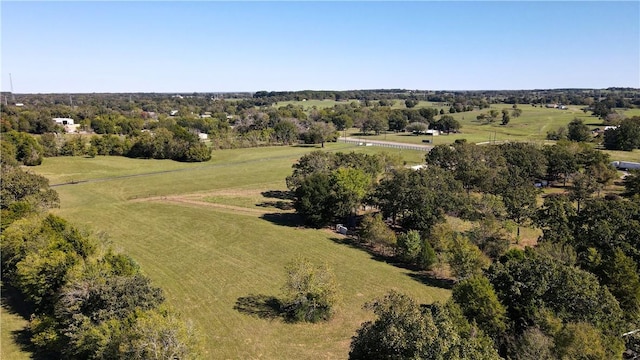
(68, 169)
(532, 125)
(309, 104)
(399, 104)
(624, 155)
(629, 112)
(12, 324)
(207, 254)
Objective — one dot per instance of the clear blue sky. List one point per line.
(249, 46)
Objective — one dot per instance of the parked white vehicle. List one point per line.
(626, 165)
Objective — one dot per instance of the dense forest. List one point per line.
(573, 295)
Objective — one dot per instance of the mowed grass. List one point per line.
(207, 254)
(531, 126)
(11, 326)
(624, 155)
(322, 104)
(629, 112)
(309, 104)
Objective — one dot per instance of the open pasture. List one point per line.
(321, 104)
(309, 104)
(624, 155)
(215, 233)
(532, 125)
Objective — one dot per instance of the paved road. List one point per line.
(389, 144)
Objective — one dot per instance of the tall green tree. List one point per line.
(632, 184)
(520, 201)
(561, 162)
(555, 218)
(516, 113)
(313, 199)
(162, 335)
(582, 188)
(625, 137)
(404, 330)
(320, 132)
(505, 117)
(493, 115)
(607, 225)
(479, 303)
(28, 150)
(374, 231)
(465, 258)
(349, 188)
(313, 162)
(311, 292)
(409, 246)
(418, 199)
(524, 161)
(581, 341)
(528, 284)
(285, 132)
(620, 274)
(578, 130)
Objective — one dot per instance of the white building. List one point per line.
(63, 121)
(67, 123)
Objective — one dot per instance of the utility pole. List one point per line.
(13, 97)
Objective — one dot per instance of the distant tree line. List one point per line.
(615, 97)
(248, 120)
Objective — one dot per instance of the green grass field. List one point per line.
(308, 104)
(624, 155)
(631, 112)
(532, 125)
(10, 326)
(321, 104)
(208, 236)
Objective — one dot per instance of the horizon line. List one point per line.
(322, 90)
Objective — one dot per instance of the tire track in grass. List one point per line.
(182, 200)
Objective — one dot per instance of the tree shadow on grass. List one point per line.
(262, 306)
(14, 303)
(278, 194)
(416, 273)
(280, 204)
(432, 281)
(375, 255)
(284, 219)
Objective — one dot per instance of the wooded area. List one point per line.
(576, 292)
(571, 293)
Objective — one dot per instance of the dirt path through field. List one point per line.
(197, 200)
